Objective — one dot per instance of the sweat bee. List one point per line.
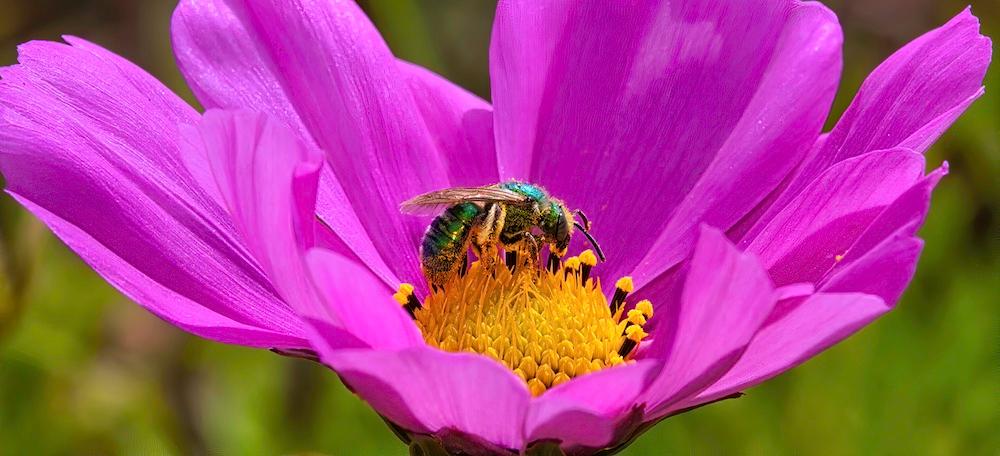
(516, 216)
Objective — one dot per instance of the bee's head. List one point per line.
(557, 225)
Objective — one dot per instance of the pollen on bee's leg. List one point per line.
(587, 262)
(407, 299)
(623, 287)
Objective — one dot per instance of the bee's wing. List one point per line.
(433, 202)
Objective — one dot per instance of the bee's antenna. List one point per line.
(586, 221)
(593, 242)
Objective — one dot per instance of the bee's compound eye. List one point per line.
(562, 228)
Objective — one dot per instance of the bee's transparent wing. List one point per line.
(434, 202)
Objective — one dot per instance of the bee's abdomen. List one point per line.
(447, 240)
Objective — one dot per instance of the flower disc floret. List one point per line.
(546, 326)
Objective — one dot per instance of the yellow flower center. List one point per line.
(547, 326)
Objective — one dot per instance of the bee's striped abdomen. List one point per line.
(447, 240)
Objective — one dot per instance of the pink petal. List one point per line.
(266, 180)
(883, 271)
(587, 411)
(323, 68)
(924, 80)
(89, 143)
(819, 322)
(228, 68)
(725, 300)
(166, 303)
(806, 238)
(604, 102)
(866, 283)
(425, 390)
(908, 101)
(772, 136)
(344, 232)
(903, 217)
(460, 123)
(360, 303)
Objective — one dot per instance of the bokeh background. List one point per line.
(84, 371)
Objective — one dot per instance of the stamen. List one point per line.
(553, 263)
(587, 261)
(511, 259)
(634, 335)
(646, 307)
(633, 331)
(571, 266)
(623, 287)
(407, 299)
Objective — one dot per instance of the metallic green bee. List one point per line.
(516, 216)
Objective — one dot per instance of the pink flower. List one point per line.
(689, 131)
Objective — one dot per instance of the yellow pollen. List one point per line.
(547, 327)
(588, 258)
(635, 333)
(636, 317)
(403, 295)
(625, 284)
(646, 308)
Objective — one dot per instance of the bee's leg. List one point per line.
(512, 246)
(488, 253)
(462, 270)
(531, 246)
(487, 235)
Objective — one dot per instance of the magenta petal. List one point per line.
(908, 101)
(772, 136)
(603, 102)
(903, 217)
(162, 301)
(228, 69)
(884, 271)
(726, 298)
(360, 303)
(814, 325)
(267, 181)
(800, 329)
(587, 411)
(347, 89)
(926, 79)
(460, 123)
(795, 290)
(425, 390)
(89, 143)
(816, 228)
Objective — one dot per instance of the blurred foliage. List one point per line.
(82, 371)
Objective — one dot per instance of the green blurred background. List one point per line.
(84, 371)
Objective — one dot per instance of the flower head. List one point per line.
(740, 240)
